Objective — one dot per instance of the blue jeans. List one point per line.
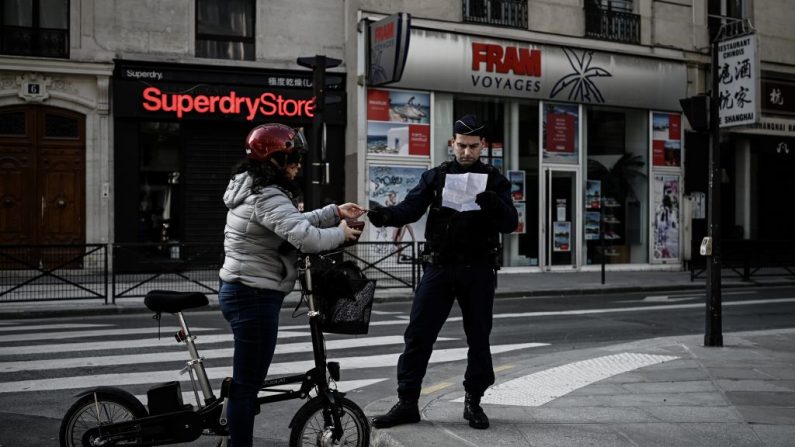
(253, 315)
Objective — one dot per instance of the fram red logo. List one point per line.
(267, 104)
(385, 32)
(500, 59)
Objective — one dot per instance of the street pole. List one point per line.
(713, 333)
(317, 166)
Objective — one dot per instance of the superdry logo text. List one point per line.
(267, 104)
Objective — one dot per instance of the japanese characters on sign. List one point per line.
(738, 79)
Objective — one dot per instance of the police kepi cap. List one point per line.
(469, 125)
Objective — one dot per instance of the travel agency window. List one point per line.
(225, 29)
(37, 28)
(512, 148)
(615, 218)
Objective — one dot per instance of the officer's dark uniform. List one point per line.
(460, 262)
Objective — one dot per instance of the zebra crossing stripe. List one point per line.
(181, 356)
(164, 331)
(276, 369)
(37, 327)
(127, 344)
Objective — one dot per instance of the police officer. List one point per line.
(460, 261)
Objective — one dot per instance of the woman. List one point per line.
(264, 229)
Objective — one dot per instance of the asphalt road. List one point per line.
(44, 362)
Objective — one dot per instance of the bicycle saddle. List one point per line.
(173, 302)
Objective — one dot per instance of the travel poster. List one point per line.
(387, 186)
(666, 225)
(561, 236)
(398, 123)
(561, 133)
(517, 179)
(593, 194)
(666, 139)
(592, 219)
(521, 209)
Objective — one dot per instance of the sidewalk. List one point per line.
(742, 394)
(509, 284)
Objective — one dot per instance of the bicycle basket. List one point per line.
(348, 314)
(344, 297)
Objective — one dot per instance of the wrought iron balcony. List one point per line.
(511, 13)
(27, 41)
(610, 24)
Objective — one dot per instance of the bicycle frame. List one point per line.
(211, 412)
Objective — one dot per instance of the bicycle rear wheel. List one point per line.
(88, 413)
(310, 427)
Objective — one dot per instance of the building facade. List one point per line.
(120, 121)
(582, 99)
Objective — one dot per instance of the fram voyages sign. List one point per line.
(267, 104)
(506, 67)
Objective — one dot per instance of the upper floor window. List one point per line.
(511, 13)
(225, 29)
(721, 12)
(34, 28)
(612, 20)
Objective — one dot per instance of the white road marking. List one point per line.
(631, 309)
(37, 327)
(344, 386)
(164, 332)
(383, 312)
(181, 356)
(594, 311)
(164, 341)
(683, 297)
(276, 369)
(536, 389)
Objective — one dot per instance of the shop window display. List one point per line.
(158, 217)
(616, 188)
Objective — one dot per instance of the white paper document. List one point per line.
(460, 190)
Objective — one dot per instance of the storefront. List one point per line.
(591, 142)
(180, 129)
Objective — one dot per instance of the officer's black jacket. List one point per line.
(467, 233)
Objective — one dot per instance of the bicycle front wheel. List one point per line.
(311, 428)
(88, 413)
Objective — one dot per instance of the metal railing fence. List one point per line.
(68, 272)
(53, 272)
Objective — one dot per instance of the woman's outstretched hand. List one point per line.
(351, 235)
(350, 211)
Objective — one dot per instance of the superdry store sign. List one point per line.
(459, 63)
(265, 105)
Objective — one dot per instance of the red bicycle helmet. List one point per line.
(266, 140)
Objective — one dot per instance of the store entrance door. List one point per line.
(560, 218)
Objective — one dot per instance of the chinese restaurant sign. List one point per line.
(738, 81)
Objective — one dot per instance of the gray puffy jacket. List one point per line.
(256, 227)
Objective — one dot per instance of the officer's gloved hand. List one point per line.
(488, 201)
(379, 216)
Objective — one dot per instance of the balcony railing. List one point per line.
(609, 24)
(510, 13)
(27, 41)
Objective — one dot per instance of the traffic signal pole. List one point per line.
(713, 335)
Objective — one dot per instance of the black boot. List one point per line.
(473, 413)
(404, 412)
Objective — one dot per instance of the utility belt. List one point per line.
(434, 256)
